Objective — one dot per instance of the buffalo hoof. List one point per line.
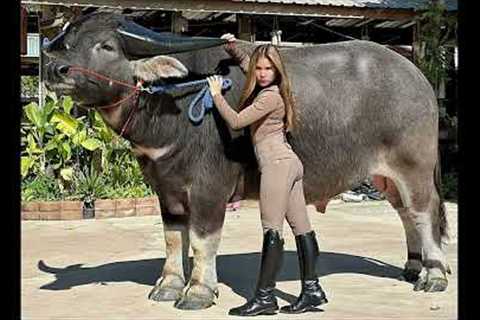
(436, 285)
(410, 275)
(165, 294)
(411, 271)
(431, 284)
(420, 284)
(197, 297)
(167, 289)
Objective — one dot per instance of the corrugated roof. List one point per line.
(452, 5)
(383, 4)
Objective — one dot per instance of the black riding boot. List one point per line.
(264, 301)
(312, 294)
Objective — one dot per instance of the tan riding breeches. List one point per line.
(281, 186)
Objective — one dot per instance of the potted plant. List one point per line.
(90, 186)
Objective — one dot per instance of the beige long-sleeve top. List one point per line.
(265, 115)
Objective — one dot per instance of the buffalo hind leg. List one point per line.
(413, 265)
(425, 214)
(170, 285)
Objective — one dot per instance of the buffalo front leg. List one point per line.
(201, 290)
(170, 285)
(207, 214)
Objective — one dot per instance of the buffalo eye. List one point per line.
(107, 47)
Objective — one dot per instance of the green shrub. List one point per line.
(29, 85)
(57, 149)
(41, 187)
(450, 186)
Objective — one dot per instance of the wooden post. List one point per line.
(365, 35)
(418, 49)
(46, 12)
(441, 94)
(41, 85)
(179, 23)
(276, 37)
(23, 30)
(276, 33)
(246, 27)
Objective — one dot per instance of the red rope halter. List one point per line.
(135, 93)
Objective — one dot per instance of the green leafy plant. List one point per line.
(41, 187)
(436, 33)
(450, 185)
(89, 185)
(125, 177)
(29, 85)
(51, 136)
(58, 145)
(34, 141)
(437, 38)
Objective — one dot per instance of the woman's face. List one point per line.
(264, 72)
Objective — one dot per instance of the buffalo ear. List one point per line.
(152, 69)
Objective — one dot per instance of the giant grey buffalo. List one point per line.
(364, 111)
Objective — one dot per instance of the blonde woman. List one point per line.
(267, 107)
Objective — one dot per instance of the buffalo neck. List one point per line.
(117, 115)
(156, 122)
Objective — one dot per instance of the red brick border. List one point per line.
(72, 210)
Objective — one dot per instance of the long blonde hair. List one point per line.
(271, 53)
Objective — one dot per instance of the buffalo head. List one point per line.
(115, 47)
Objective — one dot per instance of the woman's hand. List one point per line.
(215, 85)
(231, 40)
(229, 37)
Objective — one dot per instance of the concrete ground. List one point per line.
(104, 269)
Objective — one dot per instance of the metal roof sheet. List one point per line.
(381, 4)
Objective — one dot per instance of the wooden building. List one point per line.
(288, 22)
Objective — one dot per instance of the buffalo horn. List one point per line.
(140, 41)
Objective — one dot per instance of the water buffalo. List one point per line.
(364, 111)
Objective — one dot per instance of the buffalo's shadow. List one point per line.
(238, 271)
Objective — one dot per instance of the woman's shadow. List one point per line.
(238, 271)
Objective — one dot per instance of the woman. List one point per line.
(268, 109)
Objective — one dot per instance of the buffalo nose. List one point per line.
(63, 69)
